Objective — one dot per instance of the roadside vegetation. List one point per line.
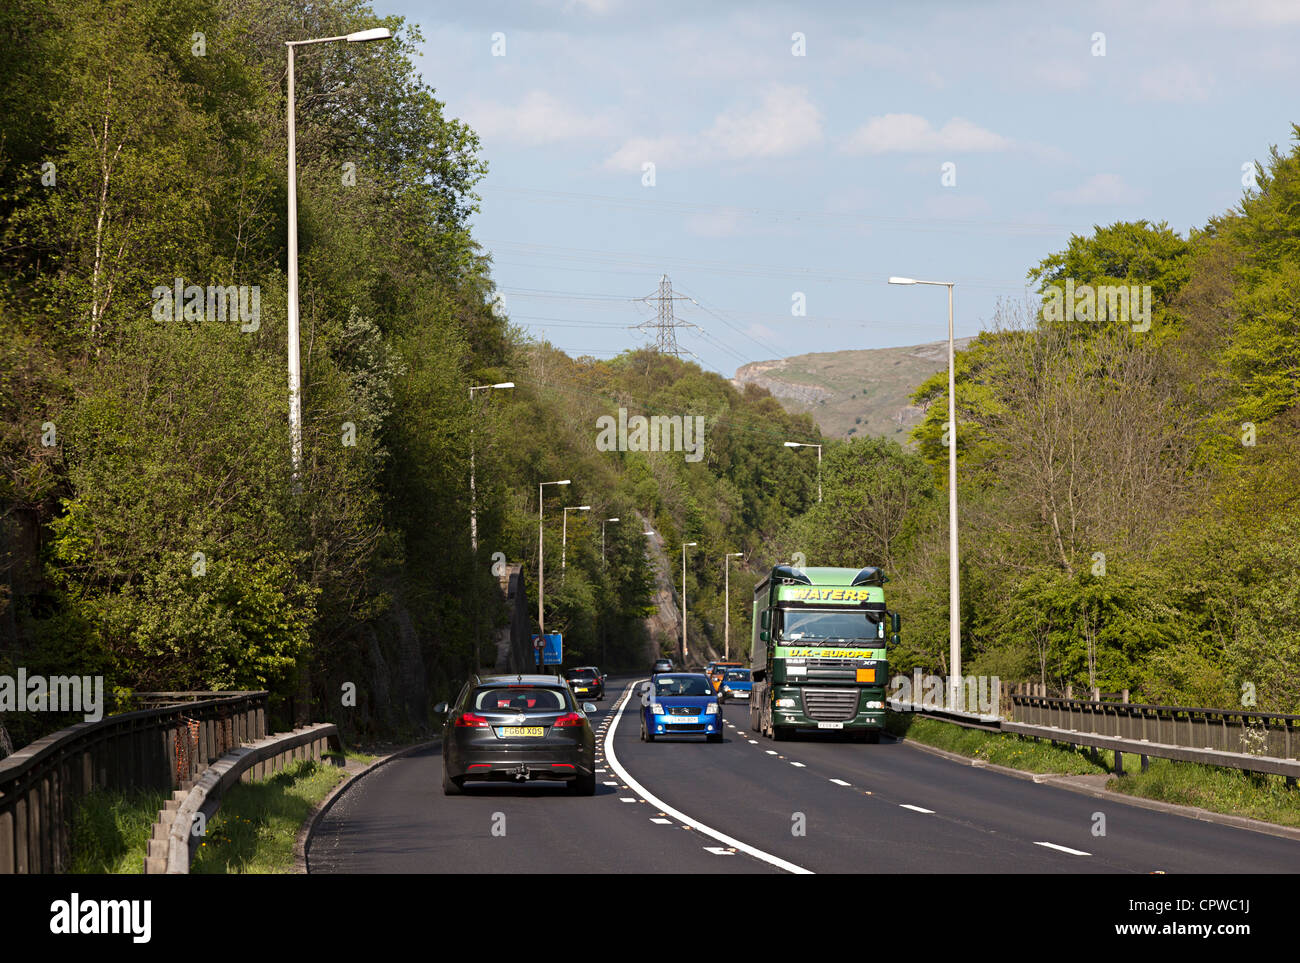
(255, 829)
(110, 831)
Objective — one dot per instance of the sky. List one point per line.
(803, 154)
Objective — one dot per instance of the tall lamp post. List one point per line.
(295, 368)
(564, 544)
(602, 539)
(726, 619)
(685, 650)
(541, 564)
(954, 592)
(800, 444)
(473, 497)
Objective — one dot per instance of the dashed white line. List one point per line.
(840, 782)
(625, 799)
(799, 764)
(610, 783)
(771, 752)
(661, 822)
(719, 851)
(1064, 849)
(917, 809)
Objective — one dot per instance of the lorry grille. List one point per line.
(830, 705)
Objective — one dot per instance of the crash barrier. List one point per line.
(157, 749)
(1264, 742)
(182, 824)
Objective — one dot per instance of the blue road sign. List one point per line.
(553, 654)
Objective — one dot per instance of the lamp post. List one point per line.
(541, 563)
(726, 619)
(564, 544)
(473, 497)
(602, 539)
(954, 592)
(685, 650)
(295, 368)
(800, 444)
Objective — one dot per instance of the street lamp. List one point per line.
(473, 498)
(954, 592)
(564, 545)
(726, 619)
(295, 368)
(602, 540)
(541, 560)
(800, 444)
(685, 651)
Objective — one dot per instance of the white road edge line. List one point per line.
(681, 817)
(1064, 849)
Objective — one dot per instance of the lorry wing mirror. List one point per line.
(766, 620)
(763, 636)
(896, 620)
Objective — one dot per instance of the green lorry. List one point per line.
(819, 652)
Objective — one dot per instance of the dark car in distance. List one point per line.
(517, 728)
(586, 682)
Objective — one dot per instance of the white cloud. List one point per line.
(1174, 84)
(785, 123)
(540, 118)
(1099, 189)
(908, 133)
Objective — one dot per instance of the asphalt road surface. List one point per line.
(750, 805)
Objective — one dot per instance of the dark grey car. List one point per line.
(518, 728)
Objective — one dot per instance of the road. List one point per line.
(751, 805)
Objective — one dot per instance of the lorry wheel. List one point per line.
(782, 733)
(873, 737)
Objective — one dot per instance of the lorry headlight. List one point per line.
(785, 703)
(875, 705)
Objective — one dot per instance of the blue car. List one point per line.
(680, 704)
(736, 684)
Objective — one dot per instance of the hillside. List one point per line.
(853, 393)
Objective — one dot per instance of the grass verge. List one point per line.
(110, 831)
(255, 829)
(1002, 749)
(1230, 791)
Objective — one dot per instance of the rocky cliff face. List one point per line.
(765, 374)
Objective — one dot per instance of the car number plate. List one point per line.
(524, 732)
(684, 720)
(581, 688)
(830, 725)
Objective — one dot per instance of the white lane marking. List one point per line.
(753, 742)
(661, 822)
(840, 782)
(610, 783)
(770, 752)
(917, 809)
(799, 764)
(625, 799)
(677, 814)
(1064, 849)
(718, 851)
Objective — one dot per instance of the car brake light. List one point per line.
(571, 719)
(470, 720)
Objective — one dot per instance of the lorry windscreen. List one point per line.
(805, 625)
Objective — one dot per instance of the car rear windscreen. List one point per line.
(738, 675)
(520, 699)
